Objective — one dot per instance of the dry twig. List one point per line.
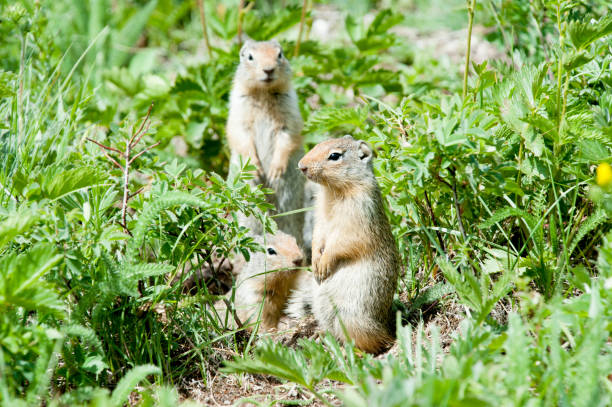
(128, 159)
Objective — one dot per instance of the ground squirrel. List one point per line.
(268, 277)
(264, 124)
(354, 257)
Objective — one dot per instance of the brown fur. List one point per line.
(354, 257)
(269, 98)
(269, 278)
(264, 125)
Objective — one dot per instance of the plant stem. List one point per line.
(204, 30)
(320, 397)
(239, 29)
(559, 79)
(435, 223)
(126, 183)
(20, 94)
(471, 5)
(299, 37)
(457, 208)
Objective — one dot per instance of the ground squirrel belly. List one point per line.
(354, 257)
(268, 277)
(264, 124)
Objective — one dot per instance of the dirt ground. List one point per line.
(256, 390)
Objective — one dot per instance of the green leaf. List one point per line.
(58, 183)
(16, 224)
(150, 212)
(128, 382)
(126, 37)
(265, 27)
(592, 222)
(330, 118)
(143, 270)
(583, 33)
(22, 283)
(430, 295)
(353, 28)
(307, 366)
(500, 215)
(592, 151)
(576, 59)
(383, 22)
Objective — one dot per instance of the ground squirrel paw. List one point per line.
(322, 268)
(277, 169)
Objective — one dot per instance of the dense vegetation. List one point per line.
(497, 182)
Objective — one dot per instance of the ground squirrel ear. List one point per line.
(247, 43)
(348, 137)
(365, 152)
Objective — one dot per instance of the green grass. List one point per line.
(491, 198)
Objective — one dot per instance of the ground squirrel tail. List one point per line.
(299, 303)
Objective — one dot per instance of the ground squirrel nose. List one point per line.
(269, 71)
(298, 262)
(302, 167)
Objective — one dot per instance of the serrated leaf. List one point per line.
(583, 33)
(384, 20)
(143, 270)
(593, 151)
(576, 59)
(265, 27)
(59, 183)
(15, 224)
(353, 28)
(330, 118)
(22, 281)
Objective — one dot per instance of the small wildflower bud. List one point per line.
(603, 175)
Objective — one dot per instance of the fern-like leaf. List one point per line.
(332, 118)
(306, 366)
(150, 212)
(586, 227)
(86, 334)
(498, 216)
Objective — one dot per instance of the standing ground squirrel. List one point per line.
(264, 124)
(268, 277)
(354, 257)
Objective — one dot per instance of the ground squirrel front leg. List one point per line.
(329, 257)
(317, 252)
(285, 145)
(323, 267)
(251, 153)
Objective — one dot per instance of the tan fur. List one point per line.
(269, 278)
(264, 124)
(354, 257)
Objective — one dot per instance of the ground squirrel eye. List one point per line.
(334, 156)
(271, 251)
(280, 54)
(250, 57)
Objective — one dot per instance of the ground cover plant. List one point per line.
(492, 125)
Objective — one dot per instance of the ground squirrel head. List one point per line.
(281, 252)
(339, 163)
(263, 66)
